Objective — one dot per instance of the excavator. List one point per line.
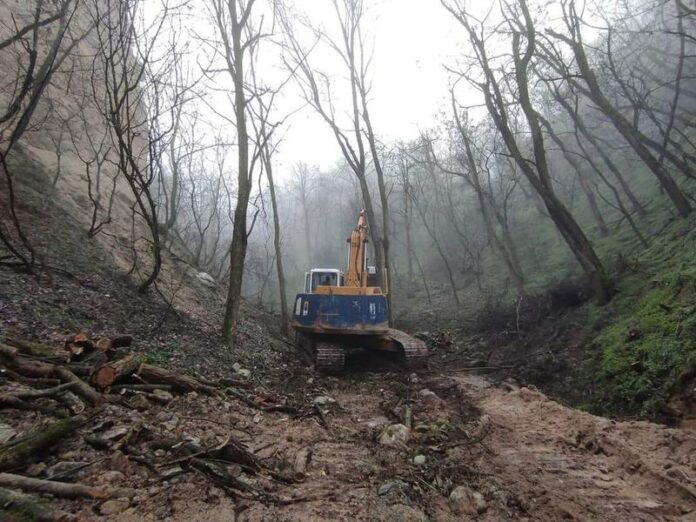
(340, 313)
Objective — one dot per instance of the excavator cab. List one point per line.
(322, 277)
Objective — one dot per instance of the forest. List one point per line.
(170, 156)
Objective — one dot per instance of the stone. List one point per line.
(140, 402)
(236, 367)
(323, 400)
(115, 433)
(419, 460)
(111, 477)
(466, 501)
(169, 473)
(114, 507)
(377, 422)
(6, 432)
(206, 279)
(243, 372)
(394, 435)
(171, 424)
(36, 470)
(64, 469)
(163, 395)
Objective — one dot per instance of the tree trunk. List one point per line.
(238, 248)
(284, 318)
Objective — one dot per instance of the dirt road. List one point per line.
(518, 454)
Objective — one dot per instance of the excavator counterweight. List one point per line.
(339, 313)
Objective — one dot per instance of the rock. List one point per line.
(429, 398)
(163, 395)
(139, 402)
(419, 460)
(243, 372)
(465, 501)
(115, 433)
(394, 435)
(114, 507)
(510, 385)
(36, 470)
(390, 485)
(377, 422)
(64, 469)
(169, 473)
(6, 432)
(236, 367)
(323, 400)
(206, 279)
(171, 424)
(110, 477)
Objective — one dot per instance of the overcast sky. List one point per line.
(412, 40)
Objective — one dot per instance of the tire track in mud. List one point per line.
(565, 464)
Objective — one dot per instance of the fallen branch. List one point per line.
(14, 402)
(34, 443)
(62, 489)
(81, 388)
(155, 374)
(18, 506)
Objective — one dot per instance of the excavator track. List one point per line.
(329, 358)
(415, 350)
(326, 357)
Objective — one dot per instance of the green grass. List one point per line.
(646, 340)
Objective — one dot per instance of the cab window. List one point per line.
(324, 279)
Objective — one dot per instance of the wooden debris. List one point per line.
(302, 459)
(81, 388)
(154, 374)
(62, 489)
(109, 373)
(31, 347)
(18, 506)
(21, 451)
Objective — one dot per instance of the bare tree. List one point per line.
(355, 143)
(590, 87)
(41, 46)
(499, 107)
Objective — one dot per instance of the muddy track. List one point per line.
(529, 457)
(565, 464)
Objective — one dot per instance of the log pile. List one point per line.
(70, 386)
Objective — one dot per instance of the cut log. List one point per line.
(35, 369)
(81, 388)
(142, 387)
(14, 402)
(155, 374)
(46, 392)
(32, 445)
(30, 347)
(72, 402)
(62, 489)
(302, 459)
(121, 341)
(12, 375)
(25, 508)
(8, 352)
(109, 373)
